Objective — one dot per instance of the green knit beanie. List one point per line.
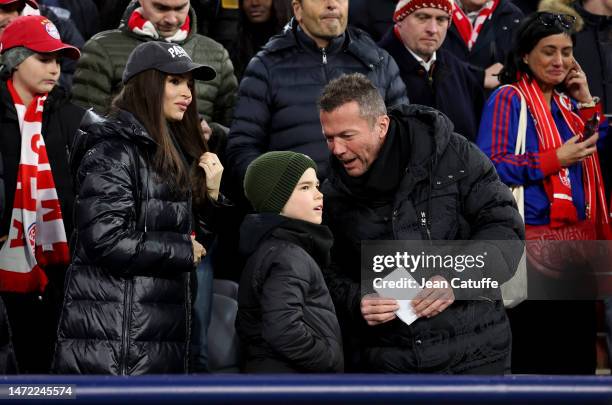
(270, 179)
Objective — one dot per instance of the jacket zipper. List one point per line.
(127, 293)
(324, 53)
(424, 224)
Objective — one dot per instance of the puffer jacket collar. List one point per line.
(95, 129)
(314, 239)
(354, 42)
(123, 26)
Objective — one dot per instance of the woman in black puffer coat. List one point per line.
(141, 192)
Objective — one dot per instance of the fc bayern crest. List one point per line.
(564, 176)
(32, 236)
(565, 101)
(52, 30)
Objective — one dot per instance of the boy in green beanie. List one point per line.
(286, 319)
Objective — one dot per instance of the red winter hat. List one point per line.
(36, 33)
(30, 3)
(406, 7)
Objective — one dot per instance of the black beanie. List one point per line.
(270, 179)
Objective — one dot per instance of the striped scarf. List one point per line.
(139, 25)
(37, 237)
(558, 186)
(470, 33)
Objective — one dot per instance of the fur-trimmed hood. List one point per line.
(562, 7)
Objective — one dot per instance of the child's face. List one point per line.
(306, 201)
(38, 73)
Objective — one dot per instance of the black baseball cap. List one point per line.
(167, 58)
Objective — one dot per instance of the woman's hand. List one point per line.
(575, 150)
(214, 170)
(576, 84)
(198, 251)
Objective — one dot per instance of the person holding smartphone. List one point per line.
(559, 170)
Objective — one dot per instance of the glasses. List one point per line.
(565, 21)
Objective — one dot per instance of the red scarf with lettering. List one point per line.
(140, 26)
(469, 33)
(558, 186)
(37, 237)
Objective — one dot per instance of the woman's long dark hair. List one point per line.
(527, 35)
(143, 96)
(251, 37)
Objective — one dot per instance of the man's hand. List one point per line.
(491, 80)
(377, 310)
(431, 301)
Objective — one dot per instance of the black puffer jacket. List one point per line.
(286, 318)
(127, 301)
(494, 40)
(450, 192)
(277, 105)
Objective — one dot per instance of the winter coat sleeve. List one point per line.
(396, 89)
(491, 211)
(92, 83)
(497, 139)
(106, 213)
(248, 136)
(226, 96)
(282, 303)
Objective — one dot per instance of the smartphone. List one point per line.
(591, 126)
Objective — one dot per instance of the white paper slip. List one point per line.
(390, 288)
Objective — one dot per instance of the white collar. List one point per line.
(426, 65)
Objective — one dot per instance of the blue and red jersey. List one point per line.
(497, 138)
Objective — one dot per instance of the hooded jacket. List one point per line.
(449, 190)
(277, 108)
(127, 298)
(99, 70)
(286, 320)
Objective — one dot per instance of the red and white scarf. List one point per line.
(139, 25)
(558, 186)
(37, 237)
(470, 33)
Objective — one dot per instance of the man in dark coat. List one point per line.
(433, 76)
(276, 109)
(407, 176)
